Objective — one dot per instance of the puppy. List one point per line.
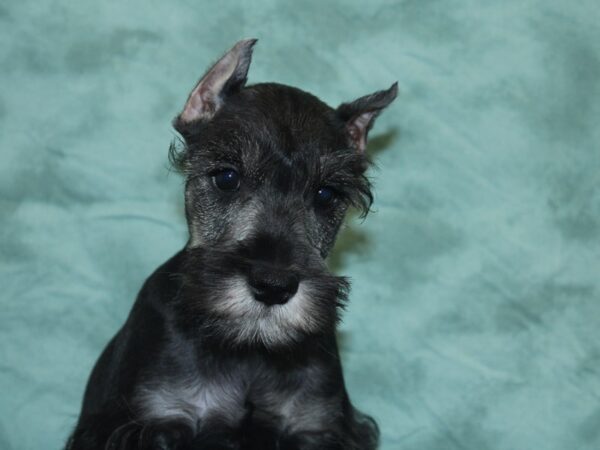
(231, 343)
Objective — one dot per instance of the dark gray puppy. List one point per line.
(231, 343)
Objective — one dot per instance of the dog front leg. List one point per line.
(360, 436)
(164, 435)
(313, 440)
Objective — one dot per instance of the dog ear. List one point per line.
(227, 76)
(360, 114)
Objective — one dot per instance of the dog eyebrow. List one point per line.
(343, 170)
(341, 162)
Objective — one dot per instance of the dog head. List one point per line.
(270, 173)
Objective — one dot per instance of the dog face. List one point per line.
(271, 171)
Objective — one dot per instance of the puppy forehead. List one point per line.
(278, 122)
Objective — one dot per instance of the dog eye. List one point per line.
(325, 196)
(227, 180)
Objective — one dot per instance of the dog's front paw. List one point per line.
(312, 441)
(166, 436)
(154, 436)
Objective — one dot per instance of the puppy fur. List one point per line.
(201, 363)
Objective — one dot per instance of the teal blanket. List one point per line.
(474, 320)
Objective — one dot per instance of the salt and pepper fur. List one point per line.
(200, 363)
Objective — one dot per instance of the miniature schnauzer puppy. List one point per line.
(231, 343)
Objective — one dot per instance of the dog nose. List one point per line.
(272, 287)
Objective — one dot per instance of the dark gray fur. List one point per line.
(231, 343)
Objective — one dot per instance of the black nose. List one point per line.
(271, 286)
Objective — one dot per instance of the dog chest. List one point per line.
(191, 401)
(227, 400)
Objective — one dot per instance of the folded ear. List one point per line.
(360, 114)
(228, 75)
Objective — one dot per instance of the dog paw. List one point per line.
(166, 436)
(124, 438)
(159, 436)
(312, 441)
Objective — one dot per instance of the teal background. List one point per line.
(475, 312)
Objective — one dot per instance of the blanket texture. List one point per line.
(474, 320)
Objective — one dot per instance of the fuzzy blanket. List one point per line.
(474, 320)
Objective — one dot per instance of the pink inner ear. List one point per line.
(193, 107)
(204, 100)
(358, 128)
